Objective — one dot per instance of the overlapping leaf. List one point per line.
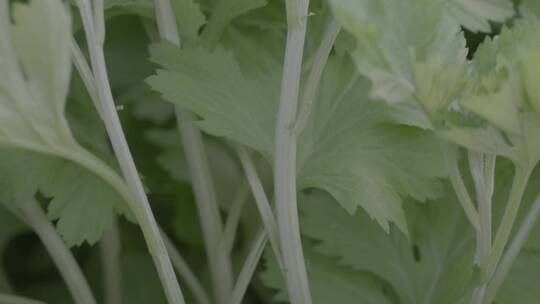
(32, 95)
(232, 105)
(392, 35)
(37, 144)
(506, 97)
(476, 15)
(436, 266)
(221, 15)
(348, 148)
(330, 281)
(189, 20)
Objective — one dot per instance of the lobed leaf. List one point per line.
(38, 149)
(505, 95)
(222, 14)
(435, 266)
(392, 35)
(476, 15)
(349, 147)
(330, 281)
(189, 20)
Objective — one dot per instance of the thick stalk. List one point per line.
(111, 262)
(60, 254)
(205, 195)
(514, 201)
(285, 156)
(513, 251)
(142, 211)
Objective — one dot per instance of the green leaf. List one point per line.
(83, 203)
(38, 149)
(349, 148)
(506, 95)
(32, 95)
(223, 13)
(269, 16)
(475, 15)
(503, 109)
(189, 20)
(504, 51)
(392, 35)
(330, 282)
(531, 71)
(438, 84)
(486, 140)
(22, 173)
(219, 92)
(436, 266)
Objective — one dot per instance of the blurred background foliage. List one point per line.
(25, 266)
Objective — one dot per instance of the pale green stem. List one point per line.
(513, 251)
(185, 272)
(248, 269)
(111, 261)
(233, 218)
(203, 187)
(482, 169)
(207, 206)
(13, 299)
(503, 233)
(459, 187)
(77, 285)
(285, 156)
(99, 17)
(262, 202)
(86, 74)
(141, 206)
(321, 57)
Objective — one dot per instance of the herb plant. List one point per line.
(267, 151)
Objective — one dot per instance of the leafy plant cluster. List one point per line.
(267, 151)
